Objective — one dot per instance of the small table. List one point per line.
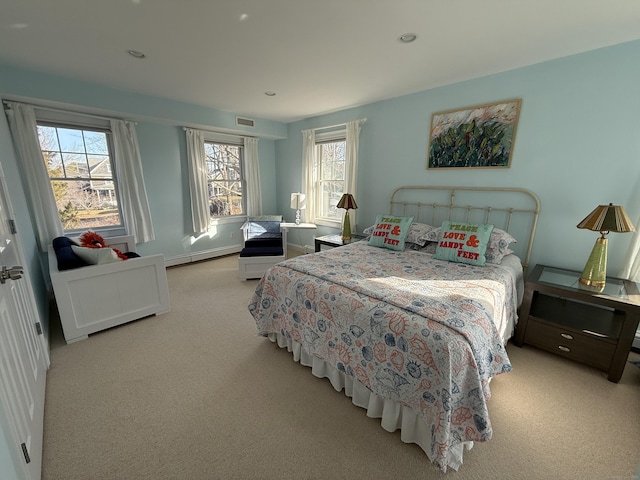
(596, 328)
(285, 227)
(334, 241)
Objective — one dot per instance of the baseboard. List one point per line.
(202, 255)
(300, 249)
(222, 251)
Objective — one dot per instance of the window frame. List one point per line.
(78, 121)
(320, 139)
(236, 141)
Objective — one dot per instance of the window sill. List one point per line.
(328, 223)
(224, 220)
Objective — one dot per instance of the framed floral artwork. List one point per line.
(474, 137)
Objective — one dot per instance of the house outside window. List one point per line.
(225, 179)
(330, 174)
(79, 161)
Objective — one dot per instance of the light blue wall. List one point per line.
(577, 146)
(163, 150)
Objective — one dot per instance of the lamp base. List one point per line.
(346, 227)
(595, 271)
(298, 217)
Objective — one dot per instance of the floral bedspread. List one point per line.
(412, 329)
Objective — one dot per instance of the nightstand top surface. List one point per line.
(615, 288)
(337, 239)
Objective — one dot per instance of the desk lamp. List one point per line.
(298, 202)
(347, 202)
(604, 219)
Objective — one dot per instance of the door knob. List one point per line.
(13, 273)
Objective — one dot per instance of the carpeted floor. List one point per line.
(195, 394)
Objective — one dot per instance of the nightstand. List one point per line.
(334, 241)
(561, 316)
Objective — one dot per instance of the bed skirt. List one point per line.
(393, 415)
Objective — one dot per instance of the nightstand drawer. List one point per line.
(581, 347)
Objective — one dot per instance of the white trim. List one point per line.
(333, 136)
(104, 112)
(217, 137)
(227, 219)
(202, 255)
(329, 223)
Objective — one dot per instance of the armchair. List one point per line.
(265, 244)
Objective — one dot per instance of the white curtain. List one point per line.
(24, 130)
(252, 176)
(351, 166)
(309, 174)
(130, 179)
(631, 267)
(198, 180)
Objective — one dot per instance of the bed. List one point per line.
(413, 339)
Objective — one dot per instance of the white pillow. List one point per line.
(96, 256)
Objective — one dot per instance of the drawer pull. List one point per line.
(567, 336)
(563, 348)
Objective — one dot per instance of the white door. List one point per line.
(23, 356)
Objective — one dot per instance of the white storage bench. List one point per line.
(96, 297)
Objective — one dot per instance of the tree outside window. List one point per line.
(79, 165)
(225, 180)
(330, 173)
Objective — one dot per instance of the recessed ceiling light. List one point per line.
(408, 37)
(136, 54)
(270, 94)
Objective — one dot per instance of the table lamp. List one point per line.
(298, 202)
(604, 219)
(347, 202)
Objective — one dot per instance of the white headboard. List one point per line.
(514, 210)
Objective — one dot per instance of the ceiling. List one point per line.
(318, 56)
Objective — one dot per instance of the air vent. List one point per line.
(247, 122)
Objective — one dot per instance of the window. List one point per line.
(330, 175)
(225, 179)
(79, 163)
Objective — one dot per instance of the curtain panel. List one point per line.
(631, 267)
(309, 174)
(24, 131)
(197, 180)
(252, 176)
(351, 166)
(130, 179)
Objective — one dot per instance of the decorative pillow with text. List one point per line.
(417, 233)
(390, 231)
(463, 242)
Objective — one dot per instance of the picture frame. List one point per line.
(481, 136)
